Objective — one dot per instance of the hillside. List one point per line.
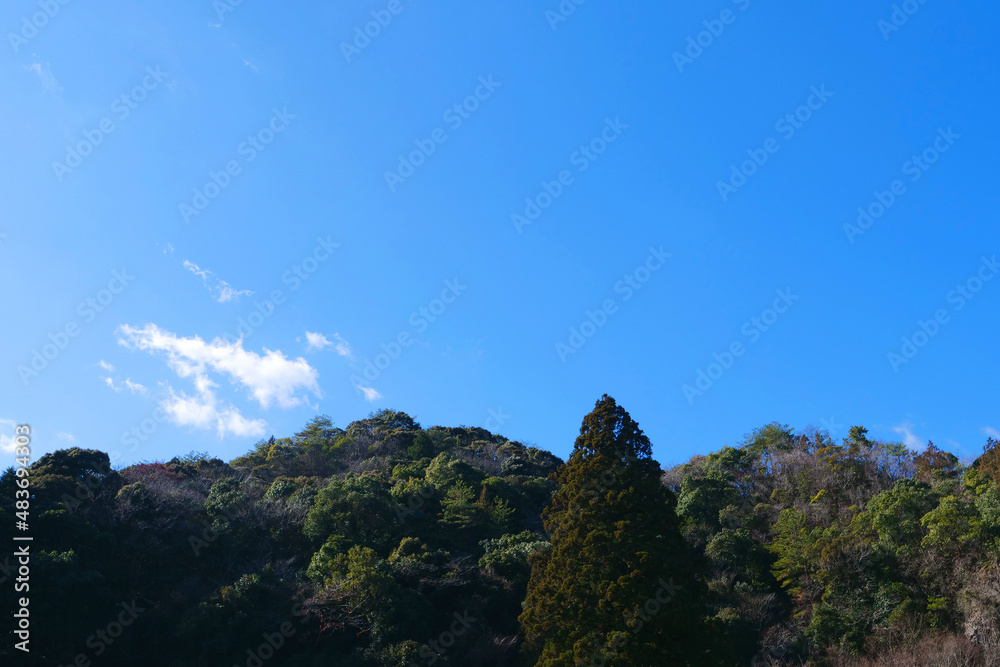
(388, 544)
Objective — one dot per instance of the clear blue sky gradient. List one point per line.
(683, 123)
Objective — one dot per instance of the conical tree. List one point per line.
(619, 585)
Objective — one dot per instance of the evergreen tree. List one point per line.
(619, 585)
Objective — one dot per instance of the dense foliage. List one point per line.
(824, 553)
(381, 544)
(387, 544)
(619, 585)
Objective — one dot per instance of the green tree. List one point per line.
(952, 527)
(445, 470)
(71, 477)
(359, 508)
(509, 554)
(318, 433)
(608, 589)
(892, 518)
(361, 587)
(459, 509)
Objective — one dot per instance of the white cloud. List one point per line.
(204, 411)
(7, 434)
(196, 270)
(317, 341)
(45, 77)
(227, 293)
(169, 250)
(66, 436)
(342, 347)
(270, 379)
(991, 432)
(220, 289)
(135, 387)
(370, 393)
(249, 64)
(106, 366)
(910, 439)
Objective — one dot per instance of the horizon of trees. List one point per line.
(388, 544)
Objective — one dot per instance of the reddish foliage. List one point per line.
(989, 462)
(149, 472)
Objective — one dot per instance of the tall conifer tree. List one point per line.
(619, 585)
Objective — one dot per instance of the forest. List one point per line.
(387, 544)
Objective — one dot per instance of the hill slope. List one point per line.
(389, 544)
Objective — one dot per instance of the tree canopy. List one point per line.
(386, 543)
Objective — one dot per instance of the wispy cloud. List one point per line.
(991, 432)
(106, 366)
(370, 393)
(69, 437)
(910, 439)
(220, 289)
(318, 341)
(271, 378)
(342, 347)
(45, 78)
(133, 387)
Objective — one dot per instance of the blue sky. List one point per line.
(520, 207)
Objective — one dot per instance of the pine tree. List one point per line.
(619, 585)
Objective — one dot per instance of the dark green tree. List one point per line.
(619, 586)
(358, 508)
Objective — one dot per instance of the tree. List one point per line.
(317, 434)
(618, 586)
(952, 526)
(892, 518)
(934, 465)
(773, 437)
(358, 508)
(509, 554)
(70, 476)
(382, 423)
(989, 462)
(459, 509)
